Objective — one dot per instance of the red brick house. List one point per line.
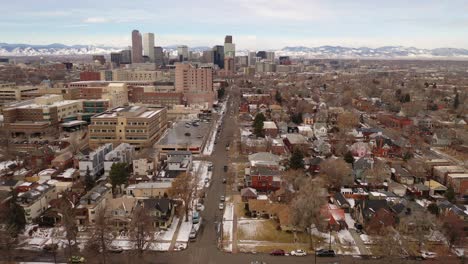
(264, 179)
(395, 121)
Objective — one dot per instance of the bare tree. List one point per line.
(307, 204)
(347, 121)
(418, 225)
(183, 188)
(336, 172)
(454, 231)
(377, 174)
(387, 243)
(141, 230)
(69, 222)
(101, 237)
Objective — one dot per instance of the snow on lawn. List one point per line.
(366, 239)
(349, 220)
(201, 169)
(228, 226)
(184, 231)
(345, 237)
(250, 227)
(326, 236)
(168, 234)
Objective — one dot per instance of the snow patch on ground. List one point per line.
(167, 235)
(201, 169)
(184, 231)
(210, 143)
(228, 226)
(349, 220)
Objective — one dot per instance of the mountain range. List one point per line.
(386, 52)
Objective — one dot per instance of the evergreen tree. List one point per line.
(296, 118)
(221, 92)
(433, 209)
(407, 98)
(15, 216)
(297, 160)
(348, 157)
(258, 125)
(456, 101)
(118, 174)
(450, 194)
(278, 97)
(89, 181)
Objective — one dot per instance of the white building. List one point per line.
(143, 167)
(94, 161)
(123, 153)
(148, 46)
(36, 201)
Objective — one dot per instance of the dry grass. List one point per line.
(266, 231)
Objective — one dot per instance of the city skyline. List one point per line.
(257, 24)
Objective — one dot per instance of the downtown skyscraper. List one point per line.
(137, 49)
(148, 46)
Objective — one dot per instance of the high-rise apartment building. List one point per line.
(195, 83)
(218, 55)
(137, 48)
(148, 46)
(182, 53)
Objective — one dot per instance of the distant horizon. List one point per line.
(254, 24)
(210, 46)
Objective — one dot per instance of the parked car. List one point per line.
(277, 252)
(224, 180)
(50, 247)
(195, 217)
(115, 249)
(199, 207)
(222, 198)
(221, 206)
(298, 252)
(193, 234)
(326, 253)
(77, 259)
(358, 226)
(428, 255)
(225, 168)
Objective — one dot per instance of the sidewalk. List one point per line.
(174, 237)
(359, 243)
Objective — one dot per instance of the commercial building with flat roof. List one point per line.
(135, 125)
(185, 136)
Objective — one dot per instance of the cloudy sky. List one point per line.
(254, 24)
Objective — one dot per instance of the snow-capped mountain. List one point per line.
(388, 52)
(52, 50)
(364, 52)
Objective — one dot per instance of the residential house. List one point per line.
(435, 188)
(248, 193)
(374, 215)
(361, 165)
(292, 128)
(91, 203)
(161, 210)
(440, 173)
(277, 211)
(148, 189)
(264, 159)
(308, 119)
(402, 175)
(63, 160)
(120, 211)
(36, 200)
(459, 182)
(360, 149)
(334, 217)
(270, 129)
(306, 131)
(320, 130)
(322, 147)
(313, 164)
(277, 147)
(397, 188)
(340, 200)
(143, 167)
(263, 179)
(296, 141)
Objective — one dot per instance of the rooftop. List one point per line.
(129, 111)
(184, 134)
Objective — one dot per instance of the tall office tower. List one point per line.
(284, 60)
(208, 56)
(182, 53)
(126, 57)
(159, 56)
(148, 46)
(116, 58)
(270, 55)
(229, 47)
(218, 55)
(137, 49)
(262, 54)
(252, 58)
(242, 61)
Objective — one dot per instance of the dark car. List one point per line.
(358, 226)
(277, 252)
(225, 168)
(326, 253)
